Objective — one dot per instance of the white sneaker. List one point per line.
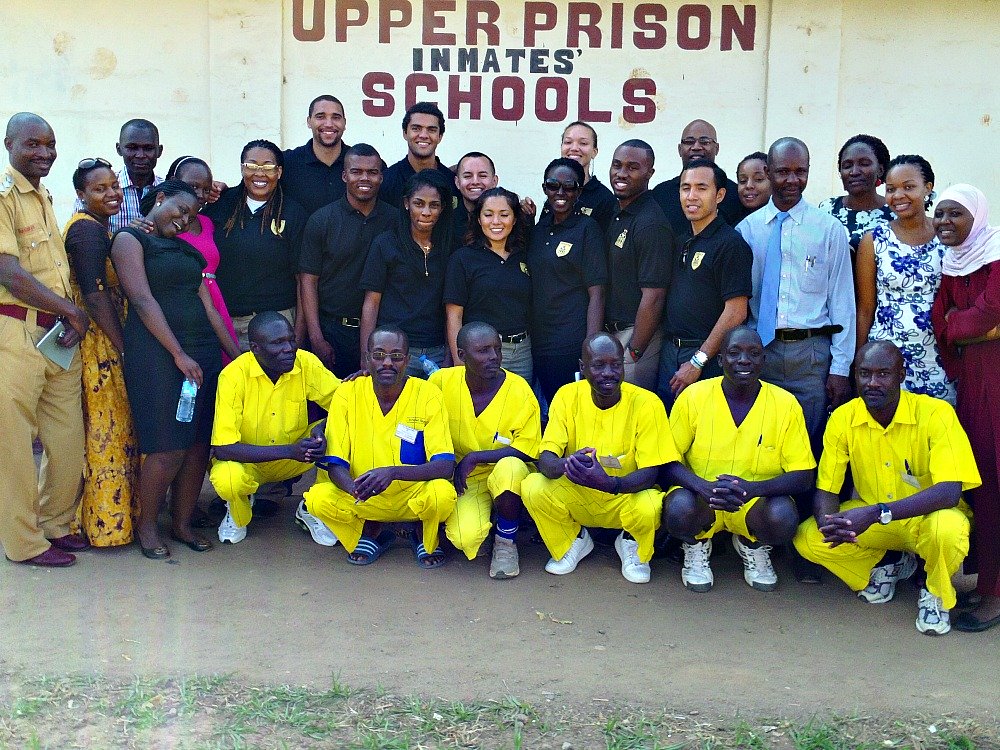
(757, 568)
(882, 582)
(634, 570)
(505, 562)
(932, 618)
(320, 532)
(696, 574)
(581, 547)
(229, 532)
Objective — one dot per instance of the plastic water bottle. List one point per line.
(185, 404)
(429, 365)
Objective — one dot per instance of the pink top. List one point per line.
(204, 243)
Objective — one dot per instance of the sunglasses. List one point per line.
(93, 163)
(553, 186)
(380, 356)
(250, 166)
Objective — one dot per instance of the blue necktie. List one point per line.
(767, 315)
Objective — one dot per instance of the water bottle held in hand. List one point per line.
(429, 365)
(185, 404)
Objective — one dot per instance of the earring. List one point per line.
(159, 202)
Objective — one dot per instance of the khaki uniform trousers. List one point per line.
(37, 399)
(940, 539)
(428, 502)
(470, 523)
(560, 508)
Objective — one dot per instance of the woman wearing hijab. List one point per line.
(966, 318)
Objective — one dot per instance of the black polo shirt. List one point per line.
(411, 286)
(564, 260)
(641, 249)
(668, 195)
(309, 181)
(712, 267)
(257, 264)
(595, 201)
(459, 225)
(394, 182)
(492, 290)
(335, 246)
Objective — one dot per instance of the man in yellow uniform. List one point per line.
(746, 451)
(261, 432)
(389, 458)
(40, 398)
(910, 460)
(602, 449)
(496, 427)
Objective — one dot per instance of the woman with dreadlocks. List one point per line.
(257, 231)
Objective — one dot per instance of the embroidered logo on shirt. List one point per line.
(586, 210)
(620, 242)
(696, 260)
(563, 248)
(277, 227)
(524, 268)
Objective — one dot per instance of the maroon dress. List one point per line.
(977, 369)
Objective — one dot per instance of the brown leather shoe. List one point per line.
(70, 543)
(51, 558)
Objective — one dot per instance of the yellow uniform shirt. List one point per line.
(414, 431)
(29, 232)
(511, 419)
(771, 441)
(633, 434)
(923, 445)
(250, 409)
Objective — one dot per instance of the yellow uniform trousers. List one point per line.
(470, 523)
(941, 539)
(734, 523)
(235, 482)
(560, 508)
(429, 502)
(40, 399)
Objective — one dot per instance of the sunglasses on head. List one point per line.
(93, 163)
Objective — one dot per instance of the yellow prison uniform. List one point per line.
(250, 409)
(771, 441)
(39, 398)
(923, 445)
(361, 438)
(512, 419)
(633, 434)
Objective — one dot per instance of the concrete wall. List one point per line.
(215, 73)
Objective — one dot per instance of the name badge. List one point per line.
(406, 433)
(563, 248)
(620, 242)
(611, 462)
(498, 438)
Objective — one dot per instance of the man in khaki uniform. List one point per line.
(40, 398)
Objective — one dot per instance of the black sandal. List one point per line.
(154, 553)
(195, 544)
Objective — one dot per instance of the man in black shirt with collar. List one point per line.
(711, 284)
(313, 172)
(698, 141)
(423, 129)
(641, 250)
(475, 173)
(334, 249)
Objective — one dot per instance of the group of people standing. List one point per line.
(609, 307)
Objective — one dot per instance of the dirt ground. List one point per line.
(279, 609)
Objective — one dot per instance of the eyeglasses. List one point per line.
(380, 356)
(250, 166)
(97, 161)
(703, 141)
(553, 186)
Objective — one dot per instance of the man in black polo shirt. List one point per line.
(641, 249)
(423, 129)
(698, 141)
(475, 173)
(313, 172)
(710, 287)
(334, 248)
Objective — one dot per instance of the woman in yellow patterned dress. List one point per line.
(112, 455)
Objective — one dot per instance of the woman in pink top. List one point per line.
(200, 232)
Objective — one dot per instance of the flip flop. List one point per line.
(427, 560)
(372, 549)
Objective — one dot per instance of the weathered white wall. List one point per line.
(215, 73)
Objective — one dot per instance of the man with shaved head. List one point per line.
(600, 455)
(910, 461)
(41, 397)
(698, 141)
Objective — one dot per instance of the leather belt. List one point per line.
(514, 338)
(350, 322)
(801, 334)
(617, 326)
(686, 343)
(42, 319)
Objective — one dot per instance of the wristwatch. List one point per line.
(699, 359)
(636, 353)
(885, 514)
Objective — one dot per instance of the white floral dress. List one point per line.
(906, 281)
